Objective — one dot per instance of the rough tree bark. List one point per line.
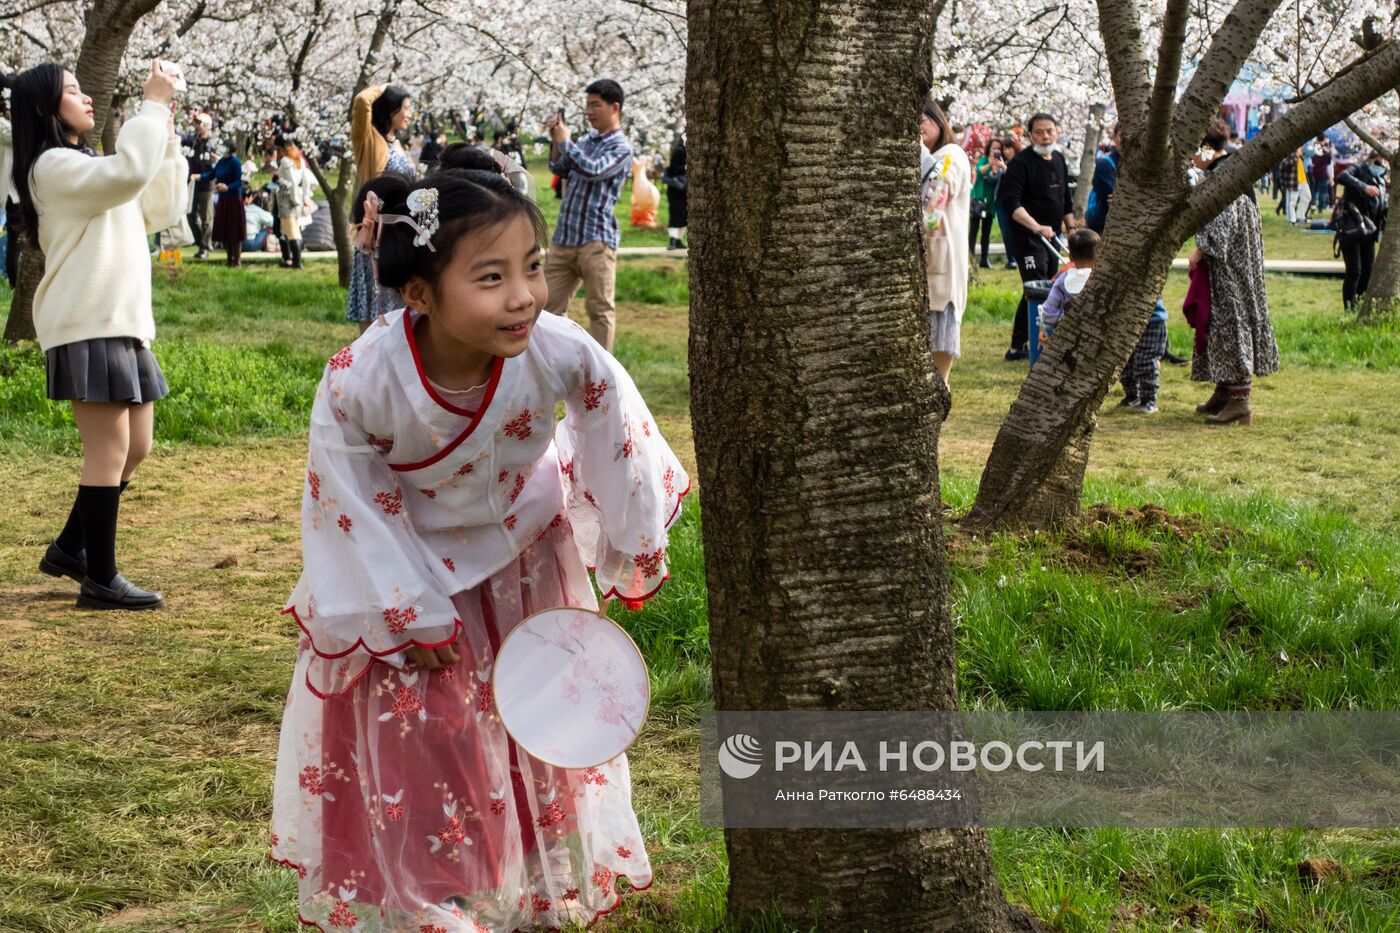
(107, 30)
(1035, 473)
(339, 192)
(1383, 294)
(1088, 158)
(816, 416)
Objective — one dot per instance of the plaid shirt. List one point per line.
(594, 170)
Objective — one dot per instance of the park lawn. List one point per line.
(139, 748)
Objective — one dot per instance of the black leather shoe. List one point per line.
(57, 563)
(121, 593)
(1014, 355)
(1174, 359)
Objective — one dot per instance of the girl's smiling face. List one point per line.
(487, 297)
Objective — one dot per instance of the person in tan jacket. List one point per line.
(378, 115)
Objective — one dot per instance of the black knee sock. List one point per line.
(97, 508)
(296, 254)
(70, 539)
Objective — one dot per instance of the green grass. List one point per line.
(138, 752)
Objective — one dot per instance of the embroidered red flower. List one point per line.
(538, 904)
(431, 928)
(646, 428)
(390, 502)
(465, 468)
(344, 522)
(448, 672)
(449, 564)
(479, 927)
(406, 703)
(553, 815)
(498, 807)
(399, 619)
(486, 698)
(314, 482)
(382, 444)
(342, 916)
(342, 360)
(519, 426)
(340, 415)
(594, 776)
(568, 470)
(272, 839)
(624, 852)
(571, 894)
(452, 833)
(603, 879)
(668, 481)
(519, 486)
(501, 476)
(593, 393)
(626, 449)
(394, 812)
(310, 780)
(650, 564)
(510, 522)
(589, 496)
(430, 493)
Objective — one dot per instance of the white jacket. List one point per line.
(7, 161)
(94, 216)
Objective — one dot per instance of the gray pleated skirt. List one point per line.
(105, 369)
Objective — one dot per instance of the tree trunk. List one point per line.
(106, 30)
(816, 414)
(1088, 158)
(1035, 473)
(1383, 294)
(20, 324)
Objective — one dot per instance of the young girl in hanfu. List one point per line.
(441, 508)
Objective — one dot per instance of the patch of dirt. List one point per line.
(1198, 915)
(1320, 871)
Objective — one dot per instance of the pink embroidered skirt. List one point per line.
(403, 804)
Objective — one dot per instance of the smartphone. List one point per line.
(175, 73)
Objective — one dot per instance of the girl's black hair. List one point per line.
(35, 97)
(467, 200)
(381, 185)
(467, 156)
(381, 112)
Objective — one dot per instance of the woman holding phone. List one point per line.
(92, 309)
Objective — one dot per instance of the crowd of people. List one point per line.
(442, 503)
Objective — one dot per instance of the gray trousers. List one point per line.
(202, 219)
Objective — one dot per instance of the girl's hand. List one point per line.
(431, 658)
(158, 87)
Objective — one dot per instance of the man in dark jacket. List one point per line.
(1363, 189)
(202, 157)
(1035, 193)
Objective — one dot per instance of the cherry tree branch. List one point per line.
(1386, 152)
(1230, 48)
(1159, 107)
(1321, 109)
(1121, 28)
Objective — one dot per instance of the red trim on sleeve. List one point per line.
(360, 645)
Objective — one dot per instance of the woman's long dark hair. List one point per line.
(935, 113)
(381, 112)
(35, 96)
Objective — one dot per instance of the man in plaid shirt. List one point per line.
(586, 236)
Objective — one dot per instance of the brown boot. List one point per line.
(1235, 411)
(1216, 402)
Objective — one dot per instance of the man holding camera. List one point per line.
(1035, 192)
(586, 237)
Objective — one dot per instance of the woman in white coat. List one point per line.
(946, 195)
(295, 204)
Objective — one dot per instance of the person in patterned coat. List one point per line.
(1239, 343)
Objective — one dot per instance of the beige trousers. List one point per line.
(595, 264)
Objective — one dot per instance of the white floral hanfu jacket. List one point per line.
(410, 499)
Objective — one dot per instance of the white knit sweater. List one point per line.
(94, 215)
